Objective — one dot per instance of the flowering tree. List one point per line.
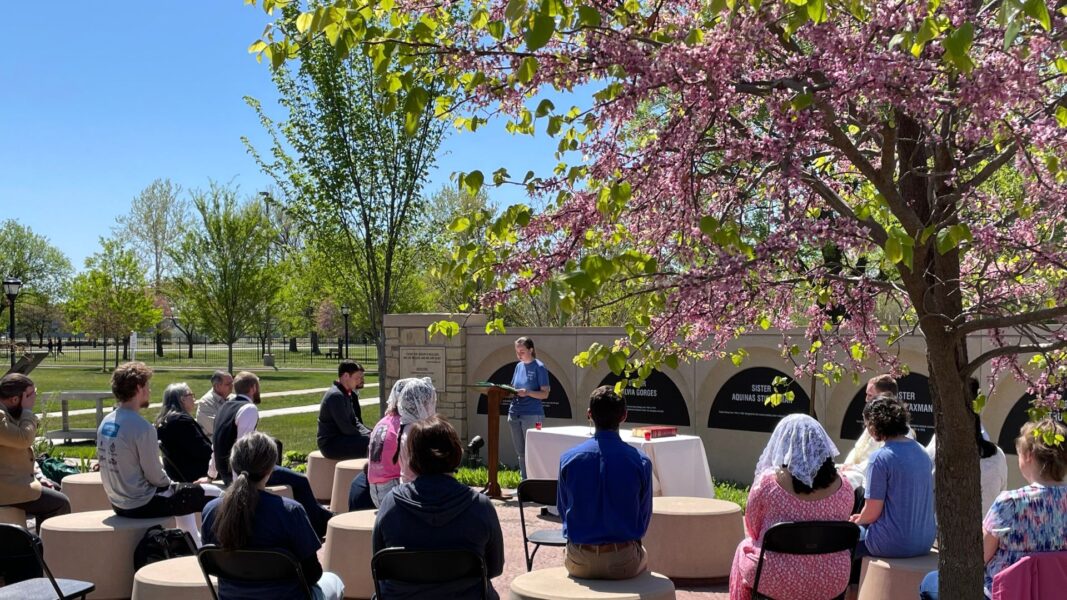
(851, 168)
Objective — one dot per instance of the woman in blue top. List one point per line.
(248, 517)
(526, 411)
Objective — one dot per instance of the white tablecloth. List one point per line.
(679, 464)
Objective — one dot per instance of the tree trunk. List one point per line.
(189, 338)
(159, 343)
(125, 347)
(105, 353)
(315, 343)
(229, 357)
(292, 344)
(383, 392)
(958, 478)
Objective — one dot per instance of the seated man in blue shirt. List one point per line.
(605, 497)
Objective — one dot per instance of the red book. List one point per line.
(654, 431)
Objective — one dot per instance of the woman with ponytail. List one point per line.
(248, 517)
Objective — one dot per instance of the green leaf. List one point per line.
(496, 29)
(515, 10)
(617, 362)
(459, 225)
(539, 32)
(1038, 10)
(894, 251)
(472, 182)
(1061, 115)
(413, 107)
(480, 18)
(495, 325)
(709, 225)
(527, 69)
(303, 22)
(817, 11)
(1061, 65)
(695, 37)
(801, 101)
(544, 107)
(588, 16)
(765, 323)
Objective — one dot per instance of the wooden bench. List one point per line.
(693, 538)
(173, 579)
(348, 551)
(892, 578)
(334, 354)
(86, 492)
(320, 475)
(96, 546)
(556, 584)
(343, 474)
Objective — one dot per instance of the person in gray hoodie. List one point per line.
(436, 512)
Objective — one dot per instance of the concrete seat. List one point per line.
(693, 538)
(86, 492)
(320, 475)
(892, 578)
(96, 546)
(12, 515)
(348, 551)
(343, 474)
(174, 579)
(555, 584)
(281, 490)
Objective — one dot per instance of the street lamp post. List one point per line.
(344, 311)
(12, 285)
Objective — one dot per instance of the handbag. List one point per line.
(162, 544)
(55, 469)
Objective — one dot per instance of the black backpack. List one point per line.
(161, 544)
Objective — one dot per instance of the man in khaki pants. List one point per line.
(605, 497)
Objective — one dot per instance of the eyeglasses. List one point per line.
(189, 395)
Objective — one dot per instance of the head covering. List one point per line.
(415, 399)
(800, 444)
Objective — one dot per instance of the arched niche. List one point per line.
(740, 402)
(557, 405)
(658, 402)
(914, 391)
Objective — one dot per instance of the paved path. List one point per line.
(262, 413)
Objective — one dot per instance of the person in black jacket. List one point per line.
(342, 434)
(186, 448)
(436, 512)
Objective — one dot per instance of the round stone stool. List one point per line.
(891, 578)
(12, 515)
(320, 475)
(86, 492)
(348, 551)
(555, 584)
(281, 490)
(96, 546)
(174, 579)
(343, 474)
(693, 538)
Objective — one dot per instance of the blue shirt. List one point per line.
(605, 491)
(899, 474)
(533, 376)
(279, 524)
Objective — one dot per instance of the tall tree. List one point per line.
(352, 168)
(43, 268)
(867, 132)
(154, 224)
(223, 269)
(111, 297)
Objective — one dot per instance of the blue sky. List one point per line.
(95, 104)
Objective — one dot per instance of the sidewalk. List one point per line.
(262, 413)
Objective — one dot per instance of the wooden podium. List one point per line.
(495, 394)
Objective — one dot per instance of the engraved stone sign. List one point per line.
(421, 361)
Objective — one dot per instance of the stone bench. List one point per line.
(281, 490)
(320, 475)
(86, 492)
(348, 551)
(96, 546)
(174, 579)
(343, 474)
(555, 584)
(12, 515)
(892, 578)
(693, 538)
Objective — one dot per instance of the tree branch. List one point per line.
(1010, 350)
(1014, 320)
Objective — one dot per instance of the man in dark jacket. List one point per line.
(436, 512)
(342, 434)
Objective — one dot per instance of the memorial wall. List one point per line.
(721, 403)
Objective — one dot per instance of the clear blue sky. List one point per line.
(95, 104)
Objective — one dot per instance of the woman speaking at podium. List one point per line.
(530, 381)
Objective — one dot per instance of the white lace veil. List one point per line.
(800, 444)
(415, 399)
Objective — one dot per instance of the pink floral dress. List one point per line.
(789, 577)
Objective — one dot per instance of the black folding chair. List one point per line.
(19, 546)
(250, 566)
(807, 537)
(427, 567)
(542, 492)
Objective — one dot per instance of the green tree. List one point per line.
(42, 267)
(155, 222)
(352, 172)
(223, 270)
(112, 297)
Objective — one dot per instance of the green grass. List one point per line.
(297, 432)
(479, 477)
(244, 357)
(732, 492)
